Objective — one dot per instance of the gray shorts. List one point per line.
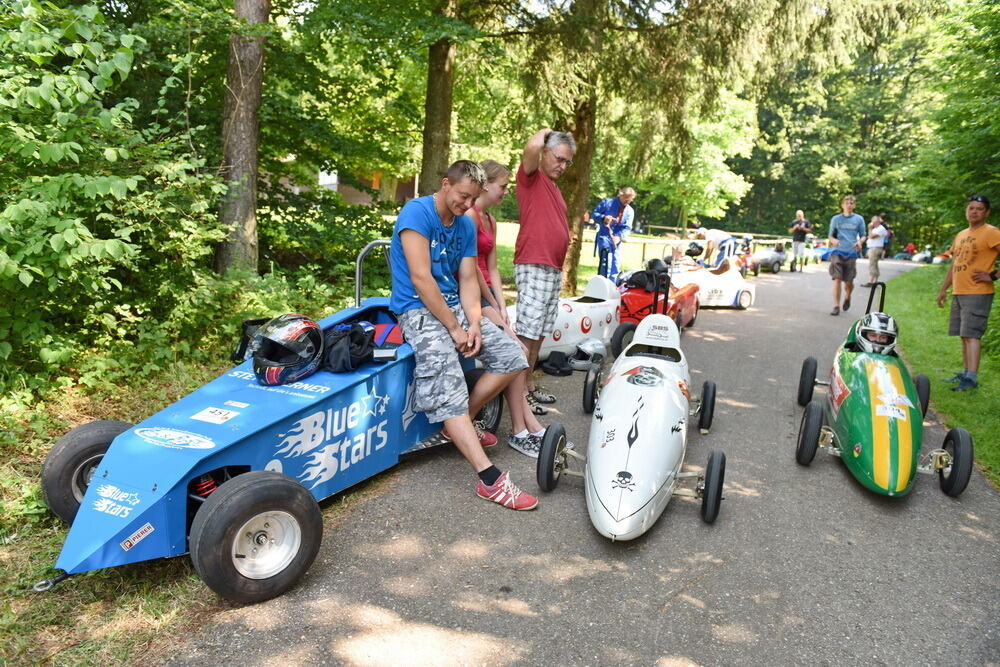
(969, 314)
(843, 268)
(538, 288)
(798, 249)
(438, 379)
(874, 255)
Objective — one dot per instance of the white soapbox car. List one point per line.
(579, 322)
(721, 286)
(638, 437)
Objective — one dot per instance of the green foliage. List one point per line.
(103, 222)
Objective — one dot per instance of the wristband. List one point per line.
(993, 275)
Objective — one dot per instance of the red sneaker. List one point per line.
(505, 493)
(486, 439)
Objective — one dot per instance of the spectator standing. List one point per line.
(526, 430)
(974, 252)
(801, 227)
(435, 295)
(614, 222)
(542, 242)
(878, 233)
(846, 236)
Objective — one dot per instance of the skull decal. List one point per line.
(623, 481)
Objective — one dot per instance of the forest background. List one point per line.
(161, 157)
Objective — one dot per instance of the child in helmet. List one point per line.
(876, 333)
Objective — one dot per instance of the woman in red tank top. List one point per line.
(526, 431)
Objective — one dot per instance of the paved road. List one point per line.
(802, 566)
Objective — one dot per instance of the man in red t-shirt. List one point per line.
(542, 242)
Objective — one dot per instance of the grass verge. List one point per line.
(928, 349)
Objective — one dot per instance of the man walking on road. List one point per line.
(878, 233)
(799, 229)
(973, 253)
(847, 234)
(542, 242)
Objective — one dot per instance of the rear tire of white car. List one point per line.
(707, 410)
(551, 457)
(809, 430)
(756, 269)
(255, 536)
(958, 443)
(923, 385)
(745, 299)
(592, 387)
(491, 413)
(807, 381)
(622, 336)
(715, 475)
(73, 461)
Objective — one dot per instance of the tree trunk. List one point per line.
(437, 108)
(240, 126)
(575, 183)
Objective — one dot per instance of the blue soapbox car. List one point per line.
(233, 471)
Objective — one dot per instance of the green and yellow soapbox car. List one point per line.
(872, 415)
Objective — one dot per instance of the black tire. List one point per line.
(807, 381)
(592, 387)
(775, 267)
(809, 429)
(551, 457)
(756, 269)
(745, 299)
(715, 477)
(958, 443)
(491, 413)
(694, 318)
(260, 510)
(707, 410)
(72, 462)
(622, 336)
(923, 385)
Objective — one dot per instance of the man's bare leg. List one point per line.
(533, 347)
(488, 386)
(836, 293)
(463, 435)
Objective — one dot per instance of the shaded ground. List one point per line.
(803, 564)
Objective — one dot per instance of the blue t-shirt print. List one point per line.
(448, 246)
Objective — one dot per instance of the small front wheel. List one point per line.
(807, 380)
(745, 299)
(715, 474)
(809, 430)
(551, 457)
(707, 410)
(592, 387)
(255, 536)
(955, 477)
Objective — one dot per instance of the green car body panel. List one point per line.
(874, 411)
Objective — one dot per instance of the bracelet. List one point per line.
(993, 275)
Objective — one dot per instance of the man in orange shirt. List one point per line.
(973, 254)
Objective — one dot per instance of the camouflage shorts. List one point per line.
(439, 382)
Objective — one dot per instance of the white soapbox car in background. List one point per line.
(638, 437)
(580, 322)
(719, 286)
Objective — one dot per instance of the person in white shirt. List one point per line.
(877, 234)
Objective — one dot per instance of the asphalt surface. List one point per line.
(802, 566)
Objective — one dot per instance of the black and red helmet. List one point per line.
(287, 349)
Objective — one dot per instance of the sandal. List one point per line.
(541, 395)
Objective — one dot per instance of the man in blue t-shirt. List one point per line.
(435, 295)
(847, 235)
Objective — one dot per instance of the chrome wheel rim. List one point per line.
(266, 544)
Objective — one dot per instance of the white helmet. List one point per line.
(876, 323)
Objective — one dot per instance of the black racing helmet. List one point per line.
(694, 249)
(287, 349)
(657, 265)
